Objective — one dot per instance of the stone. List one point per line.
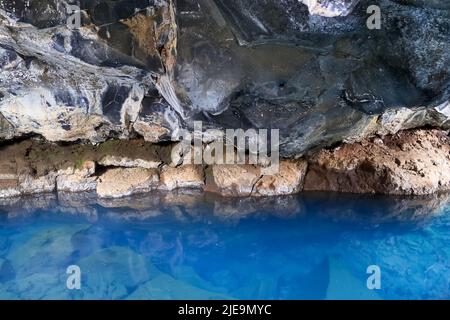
(122, 268)
(184, 176)
(330, 8)
(408, 163)
(117, 161)
(141, 71)
(8, 180)
(7, 131)
(166, 287)
(83, 83)
(319, 99)
(250, 180)
(44, 250)
(310, 68)
(288, 179)
(120, 182)
(232, 180)
(77, 180)
(151, 132)
(30, 184)
(131, 153)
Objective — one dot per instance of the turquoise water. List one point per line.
(193, 246)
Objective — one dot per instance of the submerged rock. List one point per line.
(132, 267)
(165, 287)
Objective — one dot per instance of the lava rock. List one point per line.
(409, 163)
(310, 68)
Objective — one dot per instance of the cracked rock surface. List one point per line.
(145, 68)
(408, 163)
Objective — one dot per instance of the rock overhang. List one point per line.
(137, 67)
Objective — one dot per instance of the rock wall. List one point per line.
(115, 169)
(408, 163)
(310, 68)
(415, 162)
(140, 71)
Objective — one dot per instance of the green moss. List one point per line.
(78, 164)
(107, 146)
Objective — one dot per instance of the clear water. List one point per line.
(313, 246)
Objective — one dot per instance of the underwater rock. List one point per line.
(408, 163)
(46, 249)
(131, 266)
(235, 209)
(342, 281)
(165, 287)
(6, 270)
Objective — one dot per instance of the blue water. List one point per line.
(312, 246)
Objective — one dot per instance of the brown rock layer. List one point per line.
(120, 182)
(187, 176)
(413, 162)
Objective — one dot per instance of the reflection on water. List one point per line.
(196, 246)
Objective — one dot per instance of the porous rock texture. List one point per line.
(413, 162)
(310, 68)
(120, 182)
(408, 163)
(185, 176)
(141, 70)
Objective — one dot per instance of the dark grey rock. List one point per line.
(309, 68)
(319, 80)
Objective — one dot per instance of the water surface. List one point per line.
(195, 246)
